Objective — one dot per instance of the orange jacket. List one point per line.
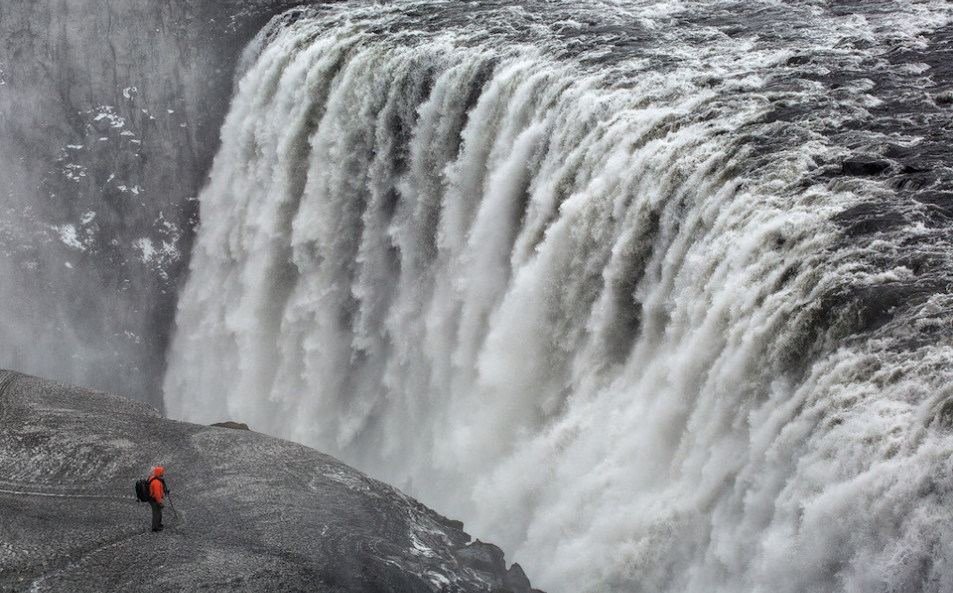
(156, 489)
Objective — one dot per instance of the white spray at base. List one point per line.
(574, 306)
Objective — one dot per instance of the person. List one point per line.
(157, 489)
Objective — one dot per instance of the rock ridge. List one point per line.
(246, 511)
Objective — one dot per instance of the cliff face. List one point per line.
(251, 513)
(109, 118)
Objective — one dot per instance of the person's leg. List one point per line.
(156, 516)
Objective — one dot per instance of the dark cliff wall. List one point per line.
(109, 119)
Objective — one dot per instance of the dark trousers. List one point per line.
(156, 515)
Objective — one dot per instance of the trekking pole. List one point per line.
(169, 495)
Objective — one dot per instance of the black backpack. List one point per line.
(142, 490)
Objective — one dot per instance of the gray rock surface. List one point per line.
(251, 513)
(109, 119)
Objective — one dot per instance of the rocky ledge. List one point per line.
(247, 512)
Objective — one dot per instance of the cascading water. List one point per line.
(632, 288)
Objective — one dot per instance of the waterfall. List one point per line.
(609, 281)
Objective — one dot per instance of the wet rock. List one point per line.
(230, 424)
(944, 98)
(515, 579)
(798, 60)
(869, 217)
(483, 557)
(246, 512)
(864, 167)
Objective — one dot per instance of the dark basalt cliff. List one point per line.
(252, 513)
(109, 118)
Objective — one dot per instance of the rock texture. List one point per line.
(251, 513)
(109, 119)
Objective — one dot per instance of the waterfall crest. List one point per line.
(608, 302)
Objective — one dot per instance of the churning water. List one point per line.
(656, 295)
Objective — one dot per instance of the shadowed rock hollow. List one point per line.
(254, 513)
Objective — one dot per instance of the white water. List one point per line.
(568, 303)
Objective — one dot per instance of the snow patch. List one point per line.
(68, 235)
(136, 189)
(108, 113)
(147, 250)
(74, 172)
(420, 548)
(440, 581)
